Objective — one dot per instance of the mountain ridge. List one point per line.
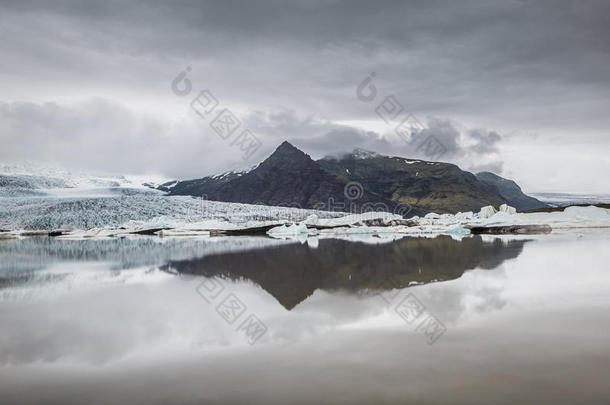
(290, 177)
(511, 191)
(430, 186)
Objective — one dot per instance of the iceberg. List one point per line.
(287, 231)
(487, 212)
(508, 209)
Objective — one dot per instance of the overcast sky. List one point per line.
(515, 87)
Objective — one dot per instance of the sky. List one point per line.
(518, 88)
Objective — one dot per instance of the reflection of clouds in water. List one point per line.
(92, 326)
(112, 321)
(107, 323)
(98, 325)
(476, 292)
(341, 306)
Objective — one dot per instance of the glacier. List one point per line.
(37, 200)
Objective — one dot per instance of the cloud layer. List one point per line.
(74, 74)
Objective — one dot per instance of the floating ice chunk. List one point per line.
(432, 215)
(385, 217)
(311, 220)
(447, 219)
(181, 232)
(457, 231)
(508, 209)
(283, 231)
(464, 216)
(487, 212)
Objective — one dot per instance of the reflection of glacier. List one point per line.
(42, 266)
(31, 254)
(291, 273)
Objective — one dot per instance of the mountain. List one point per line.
(291, 178)
(428, 186)
(199, 187)
(361, 180)
(511, 192)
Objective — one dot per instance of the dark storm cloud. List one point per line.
(486, 140)
(446, 57)
(320, 137)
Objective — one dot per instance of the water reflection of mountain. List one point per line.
(291, 273)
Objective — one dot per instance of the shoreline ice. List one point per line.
(379, 225)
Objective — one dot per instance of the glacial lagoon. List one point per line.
(480, 320)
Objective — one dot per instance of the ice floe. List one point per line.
(375, 226)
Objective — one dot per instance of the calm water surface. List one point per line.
(231, 320)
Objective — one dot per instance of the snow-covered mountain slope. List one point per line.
(200, 187)
(30, 176)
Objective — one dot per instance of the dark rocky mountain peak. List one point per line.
(286, 156)
(290, 177)
(288, 147)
